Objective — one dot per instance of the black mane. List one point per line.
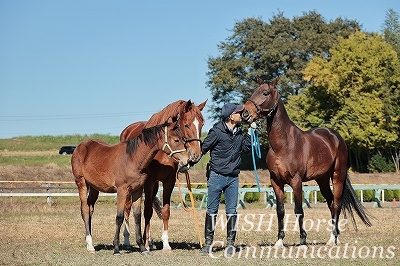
(149, 136)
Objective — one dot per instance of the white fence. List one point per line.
(51, 189)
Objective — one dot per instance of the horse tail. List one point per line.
(157, 206)
(350, 201)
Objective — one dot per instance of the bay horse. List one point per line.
(163, 169)
(121, 168)
(297, 156)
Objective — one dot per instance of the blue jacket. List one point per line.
(225, 148)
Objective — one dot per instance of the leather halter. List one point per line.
(261, 110)
(166, 145)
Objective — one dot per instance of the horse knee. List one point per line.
(119, 219)
(165, 213)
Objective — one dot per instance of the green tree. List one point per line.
(355, 91)
(278, 48)
(391, 30)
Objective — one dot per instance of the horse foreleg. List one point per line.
(280, 211)
(137, 215)
(122, 197)
(164, 236)
(148, 212)
(298, 210)
(166, 212)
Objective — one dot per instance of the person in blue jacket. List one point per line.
(225, 142)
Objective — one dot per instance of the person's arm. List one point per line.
(209, 141)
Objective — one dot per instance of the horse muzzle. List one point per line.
(183, 167)
(246, 116)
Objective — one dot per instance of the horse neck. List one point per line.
(144, 153)
(171, 110)
(279, 126)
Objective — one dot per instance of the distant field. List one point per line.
(43, 150)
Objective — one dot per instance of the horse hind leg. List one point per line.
(137, 215)
(127, 232)
(87, 209)
(326, 192)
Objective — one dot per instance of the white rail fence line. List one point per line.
(267, 192)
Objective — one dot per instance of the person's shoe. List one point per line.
(209, 227)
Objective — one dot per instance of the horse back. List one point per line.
(96, 162)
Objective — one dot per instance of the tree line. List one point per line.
(331, 73)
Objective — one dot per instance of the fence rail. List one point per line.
(51, 189)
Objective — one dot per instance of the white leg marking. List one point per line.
(164, 238)
(279, 244)
(89, 243)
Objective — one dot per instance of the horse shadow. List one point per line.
(157, 245)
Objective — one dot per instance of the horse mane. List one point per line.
(149, 136)
(172, 110)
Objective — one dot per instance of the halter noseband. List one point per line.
(186, 140)
(268, 110)
(166, 145)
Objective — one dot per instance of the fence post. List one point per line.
(49, 200)
(377, 203)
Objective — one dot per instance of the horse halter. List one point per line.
(186, 140)
(166, 145)
(269, 111)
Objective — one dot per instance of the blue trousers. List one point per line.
(216, 185)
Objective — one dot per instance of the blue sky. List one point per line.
(83, 67)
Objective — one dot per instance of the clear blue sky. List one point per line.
(86, 67)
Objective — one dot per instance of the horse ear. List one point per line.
(188, 105)
(175, 118)
(274, 82)
(260, 80)
(201, 106)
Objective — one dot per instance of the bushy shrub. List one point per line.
(250, 197)
(380, 164)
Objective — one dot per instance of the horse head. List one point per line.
(175, 144)
(191, 124)
(262, 102)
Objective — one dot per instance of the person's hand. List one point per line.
(253, 125)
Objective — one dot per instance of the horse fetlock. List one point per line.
(89, 244)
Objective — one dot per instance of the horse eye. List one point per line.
(177, 140)
(266, 93)
(186, 126)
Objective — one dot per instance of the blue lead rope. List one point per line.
(255, 151)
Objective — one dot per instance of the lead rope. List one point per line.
(255, 151)
(193, 209)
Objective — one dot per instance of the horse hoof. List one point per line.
(91, 251)
(117, 254)
(145, 253)
(279, 244)
(167, 250)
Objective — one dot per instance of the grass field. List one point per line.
(33, 233)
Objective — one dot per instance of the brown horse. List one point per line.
(295, 156)
(121, 168)
(163, 169)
